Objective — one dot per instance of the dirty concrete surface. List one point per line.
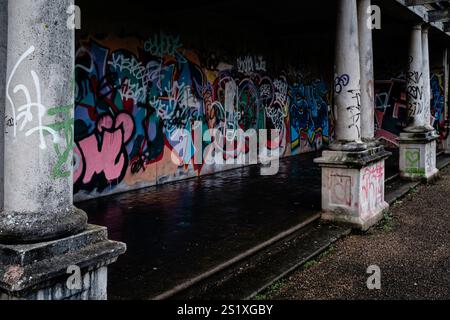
(411, 247)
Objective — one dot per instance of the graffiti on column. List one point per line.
(341, 82)
(24, 116)
(65, 129)
(28, 118)
(133, 95)
(414, 91)
(355, 111)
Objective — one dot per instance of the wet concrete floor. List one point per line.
(177, 231)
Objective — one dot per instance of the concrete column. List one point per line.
(347, 93)
(44, 239)
(418, 141)
(446, 84)
(367, 74)
(3, 42)
(415, 81)
(38, 198)
(353, 175)
(426, 79)
(445, 63)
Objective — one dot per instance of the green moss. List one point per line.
(388, 221)
(272, 290)
(418, 171)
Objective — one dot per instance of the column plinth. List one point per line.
(418, 156)
(353, 185)
(353, 169)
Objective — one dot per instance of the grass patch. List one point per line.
(273, 289)
(279, 285)
(311, 263)
(388, 222)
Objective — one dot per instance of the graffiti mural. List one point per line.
(438, 102)
(133, 96)
(309, 115)
(391, 111)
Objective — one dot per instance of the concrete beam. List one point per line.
(446, 26)
(422, 13)
(439, 15)
(411, 3)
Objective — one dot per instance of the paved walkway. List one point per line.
(412, 249)
(178, 231)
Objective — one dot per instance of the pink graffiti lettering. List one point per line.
(104, 151)
(373, 186)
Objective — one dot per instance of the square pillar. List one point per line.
(446, 141)
(418, 156)
(353, 187)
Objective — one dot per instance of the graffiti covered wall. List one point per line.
(133, 94)
(391, 111)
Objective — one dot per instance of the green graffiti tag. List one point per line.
(65, 128)
(412, 158)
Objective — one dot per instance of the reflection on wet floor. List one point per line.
(179, 230)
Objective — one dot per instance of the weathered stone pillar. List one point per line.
(418, 141)
(352, 173)
(426, 79)
(446, 142)
(347, 93)
(367, 74)
(42, 233)
(3, 41)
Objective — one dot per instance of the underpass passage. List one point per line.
(177, 231)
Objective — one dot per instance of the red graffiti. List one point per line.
(373, 186)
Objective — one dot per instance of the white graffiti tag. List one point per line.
(22, 115)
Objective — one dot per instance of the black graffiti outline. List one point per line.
(341, 82)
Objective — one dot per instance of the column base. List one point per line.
(26, 227)
(446, 142)
(353, 187)
(418, 156)
(43, 271)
